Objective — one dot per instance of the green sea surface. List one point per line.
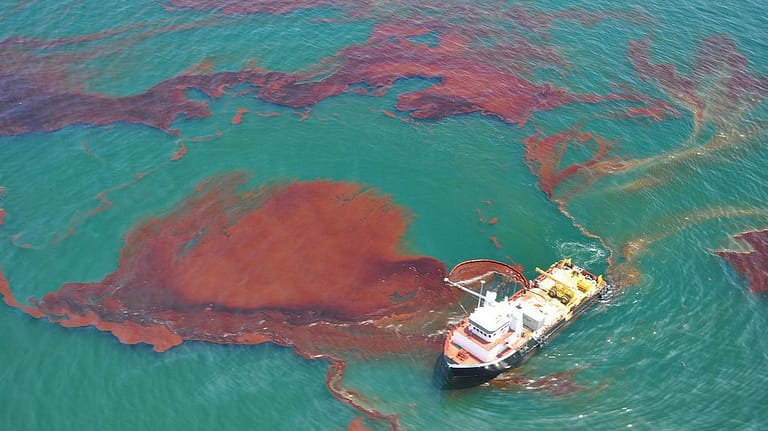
(681, 346)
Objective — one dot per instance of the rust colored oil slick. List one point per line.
(387, 56)
(495, 242)
(718, 87)
(38, 108)
(11, 301)
(238, 117)
(559, 383)
(357, 425)
(285, 263)
(543, 155)
(180, 152)
(753, 264)
(313, 265)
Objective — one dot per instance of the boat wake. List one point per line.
(588, 254)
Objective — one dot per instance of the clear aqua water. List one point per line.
(683, 347)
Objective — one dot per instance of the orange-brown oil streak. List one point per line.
(180, 152)
(238, 117)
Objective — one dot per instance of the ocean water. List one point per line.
(680, 345)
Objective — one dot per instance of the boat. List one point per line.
(501, 334)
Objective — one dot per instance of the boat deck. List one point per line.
(461, 356)
(535, 298)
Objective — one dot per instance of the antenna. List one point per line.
(459, 286)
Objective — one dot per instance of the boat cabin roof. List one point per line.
(489, 318)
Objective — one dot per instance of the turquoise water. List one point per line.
(681, 346)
